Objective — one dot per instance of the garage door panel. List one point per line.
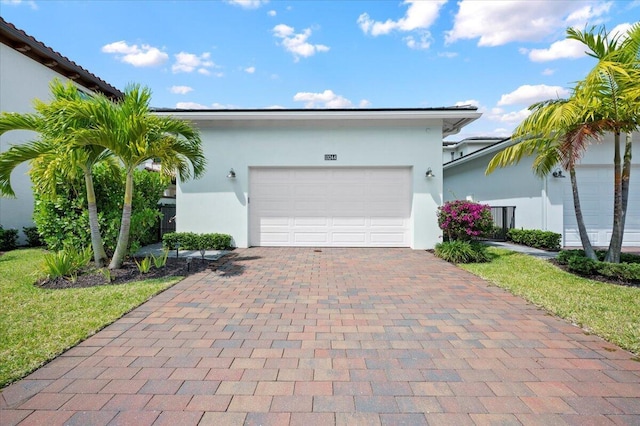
(275, 238)
(595, 185)
(311, 238)
(331, 206)
(348, 221)
(387, 221)
(386, 238)
(310, 221)
(274, 221)
(359, 238)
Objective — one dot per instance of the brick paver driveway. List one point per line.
(337, 336)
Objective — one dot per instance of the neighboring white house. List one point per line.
(344, 178)
(547, 203)
(453, 150)
(26, 68)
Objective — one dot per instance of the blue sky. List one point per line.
(500, 56)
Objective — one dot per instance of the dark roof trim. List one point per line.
(39, 52)
(275, 110)
(480, 152)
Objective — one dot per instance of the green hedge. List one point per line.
(627, 270)
(33, 236)
(459, 251)
(8, 239)
(545, 240)
(192, 241)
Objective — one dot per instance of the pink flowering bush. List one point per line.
(464, 220)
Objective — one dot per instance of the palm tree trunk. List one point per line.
(582, 229)
(626, 177)
(613, 254)
(125, 224)
(99, 255)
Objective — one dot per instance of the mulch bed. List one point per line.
(129, 272)
(596, 277)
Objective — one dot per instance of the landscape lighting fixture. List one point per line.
(558, 174)
(232, 174)
(430, 173)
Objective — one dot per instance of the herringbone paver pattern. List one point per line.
(333, 336)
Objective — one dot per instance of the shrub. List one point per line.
(582, 265)
(535, 238)
(620, 271)
(66, 263)
(462, 252)
(564, 255)
(8, 239)
(63, 220)
(144, 266)
(160, 261)
(463, 220)
(192, 241)
(33, 237)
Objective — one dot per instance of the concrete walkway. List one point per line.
(298, 336)
(531, 251)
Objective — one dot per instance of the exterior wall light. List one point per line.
(232, 174)
(429, 173)
(557, 174)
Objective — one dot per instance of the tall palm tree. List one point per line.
(129, 131)
(55, 148)
(613, 87)
(554, 134)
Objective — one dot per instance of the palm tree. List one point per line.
(129, 131)
(555, 134)
(56, 150)
(613, 87)
(608, 100)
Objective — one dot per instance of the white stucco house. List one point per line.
(27, 66)
(346, 178)
(547, 203)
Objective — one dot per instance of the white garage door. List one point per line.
(596, 200)
(330, 207)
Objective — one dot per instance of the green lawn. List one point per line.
(610, 311)
(36, 324)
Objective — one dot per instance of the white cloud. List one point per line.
(567, 48)
(275, 107)
(548, 71)
(508, 117)
(250, 70)
(248, 4)
(297, 44)
(448, 54)
(420, 43)
(326, 99)
(195, 105)
(32, 4)
(181, 90)
(364, 103)
(138, 56)
(272, 13)
(527, 94)
(499, 22)
(190, 105)
(223, 106)
(189, 62)
(420, 16)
